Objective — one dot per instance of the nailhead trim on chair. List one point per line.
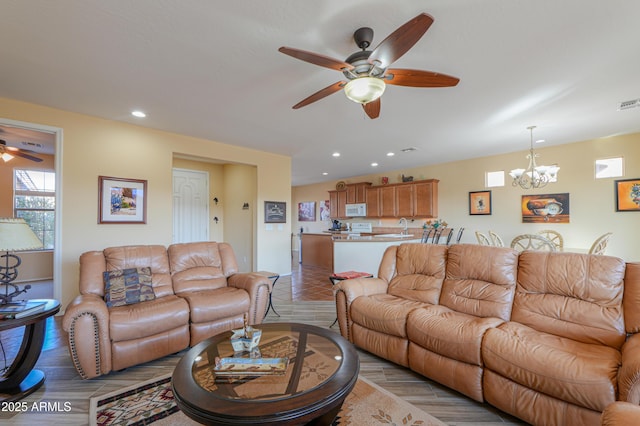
(72, 345)
(255, 302)
(346, 313)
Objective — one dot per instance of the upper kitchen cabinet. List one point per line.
(352, 194)
(372, 195)
(425, 198)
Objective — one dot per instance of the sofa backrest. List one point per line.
(577, 296)
(480, 280)
(414, 271)
(201, 265)
(631, 300)
(94, 263)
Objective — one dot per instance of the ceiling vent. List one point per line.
(409, 149)
(32, 144)
(629, 104)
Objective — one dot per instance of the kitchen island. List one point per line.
(364, 253)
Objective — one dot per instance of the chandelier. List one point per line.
(534, 176)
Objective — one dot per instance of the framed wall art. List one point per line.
(122, 200)
(275, 212)
(480, 203)
(627, 195)
(545, 208)
(307, 211)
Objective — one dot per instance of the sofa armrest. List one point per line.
(629, 373)
(347, 291)
(620, 414)
(258, 286)
(86, 320)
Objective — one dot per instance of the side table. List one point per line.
(20, 379)
(272, 276)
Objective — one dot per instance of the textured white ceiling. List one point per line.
(212, 69)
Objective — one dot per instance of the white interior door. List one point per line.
(190, 206)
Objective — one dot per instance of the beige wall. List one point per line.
(592, 201)
(93, 147)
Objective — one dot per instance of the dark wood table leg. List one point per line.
(21, 379)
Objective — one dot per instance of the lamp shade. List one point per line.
(364, 89)
(15, 235)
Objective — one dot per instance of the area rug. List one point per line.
(152, 403)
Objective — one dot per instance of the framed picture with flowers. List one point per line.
(627, 195)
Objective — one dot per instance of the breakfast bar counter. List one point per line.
(364, 252)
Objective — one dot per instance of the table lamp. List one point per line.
(15, 235)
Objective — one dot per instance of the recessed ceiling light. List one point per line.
(390, 154)
(324, 173)
(374, 164)
(540, 141)
(138, 114)
(336, 154)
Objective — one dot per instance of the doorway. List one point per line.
(190, 205)
(44, 142)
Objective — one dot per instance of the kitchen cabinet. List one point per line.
(372, 197)
(353, 193)
(405, 200)
(388, 201)
(317, 250)
(425, 202)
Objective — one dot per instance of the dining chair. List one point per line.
(532, 242)
(554, 237)
(495, 238)
(483, 240)
(459, 236)
(599, 246)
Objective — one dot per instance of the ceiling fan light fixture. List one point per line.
(364, 89)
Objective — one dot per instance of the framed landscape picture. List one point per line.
(275, 212)
(122, 200)
(480, 202)
(627, 195)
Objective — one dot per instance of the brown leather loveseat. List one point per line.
(140, 303)
(548, 337)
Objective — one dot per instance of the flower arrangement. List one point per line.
(435, 224)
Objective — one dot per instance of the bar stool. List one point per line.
(274, 277)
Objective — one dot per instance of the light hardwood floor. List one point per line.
(296, 300)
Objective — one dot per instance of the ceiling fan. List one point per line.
(8, 152)
(367, 72)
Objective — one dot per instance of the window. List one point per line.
(609, 167)
(494, 179)
(35, 201)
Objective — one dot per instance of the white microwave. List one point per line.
(356, 210)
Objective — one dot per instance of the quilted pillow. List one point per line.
(128, 286)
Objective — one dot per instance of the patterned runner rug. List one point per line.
(152, 403)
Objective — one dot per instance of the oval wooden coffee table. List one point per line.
(323, 369)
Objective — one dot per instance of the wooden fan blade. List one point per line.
(372, 108)
(19, 153)
(329, 90)
(419, 78)
(401, 40)
(315, 58)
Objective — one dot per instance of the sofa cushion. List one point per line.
(419, 272)
(384, 313)
(580, 373)
(201, 266)
(218, 304)
(481, 280)
(144, 319)
(128, 286)
(154, 256)
(448, 333)
(577, 296)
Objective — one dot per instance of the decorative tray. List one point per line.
(250, 366)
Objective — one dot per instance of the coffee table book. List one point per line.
(15, 310)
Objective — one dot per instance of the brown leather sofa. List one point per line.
(547, 337)
(197, 292)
